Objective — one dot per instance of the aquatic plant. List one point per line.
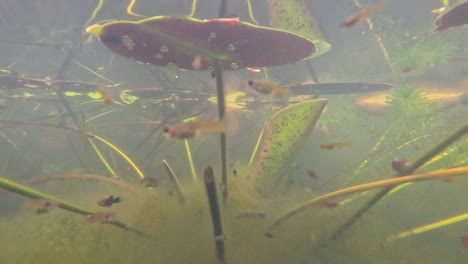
(412, 113)
(420, 53)
(294, 16)
(284, 135)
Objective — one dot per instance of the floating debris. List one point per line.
(312, 174)
(101, 217)
(464, 241)
(251, 215)
(151, 182)
(399, 164)
(108, 202)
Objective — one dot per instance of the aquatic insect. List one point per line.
(455, 17)
(186, 130)
(311, 173)
(362, 14)
(41, 206)
(101, 217)
(399, 164)
(266, 87)
(108, 202)
(337, 145)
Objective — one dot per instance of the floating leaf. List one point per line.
(177, 42)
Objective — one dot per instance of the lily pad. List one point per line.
(284, 136)
(177, 42)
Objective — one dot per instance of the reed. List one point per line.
(215, 213)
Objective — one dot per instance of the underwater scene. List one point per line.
(233, 131)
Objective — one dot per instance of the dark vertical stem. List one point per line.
(221, 112)
(215, 212)
(223, 8)
(312, 73)
(435, 150)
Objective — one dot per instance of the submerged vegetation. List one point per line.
(99, 162)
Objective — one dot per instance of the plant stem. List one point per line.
(434, 151)
(175, 182)
(221, 113)
(33, 194)
(215, 212)
(440, 174)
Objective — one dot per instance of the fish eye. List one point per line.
(250, 83)
(166, 130)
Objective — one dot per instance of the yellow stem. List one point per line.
(101, 157)
(254, 152)
(142, 176)
(432, 226)
(368, 186)
(249, 6)
(194, 7)
(95, 11)
(189, 157)
(130, 7)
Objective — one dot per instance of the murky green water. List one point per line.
(84, 105)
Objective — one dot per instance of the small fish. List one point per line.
(197, 63)
(464, 241)
(312, 174)
(151, 182)
(234, 171)
(266, 87)
(40, 206)
(399, 164)
(330, 204)
(455, 17)
(101, 217)
(362, 14)
(108, 202)
(191, 129)
(106, 98)
(337, 145)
